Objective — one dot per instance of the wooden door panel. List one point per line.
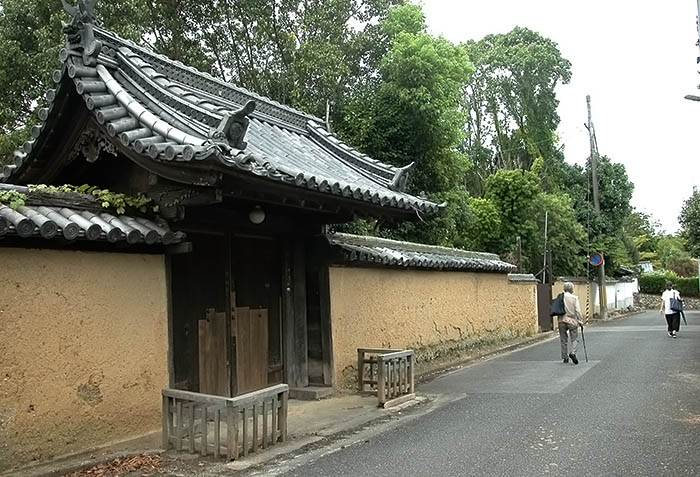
(251, 348)
(213, 373)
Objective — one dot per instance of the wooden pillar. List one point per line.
(169, 305)
(290, 371)
(326, 325)
(301, 352)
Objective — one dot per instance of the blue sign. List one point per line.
(595, 258)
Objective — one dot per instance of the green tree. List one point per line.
(565, 236)
(672, 255)
(30, 39)
(512, 102)
(514, 193)
(413, 114)
(689, 220)
(640, 236)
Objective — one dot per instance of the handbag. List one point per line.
(676, 304)
(557, 308)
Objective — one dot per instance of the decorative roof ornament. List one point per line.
(79, 31)
(398, 183)
(233, 127)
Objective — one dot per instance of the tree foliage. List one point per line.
(511, 101)
(689, 220)
(413, 113)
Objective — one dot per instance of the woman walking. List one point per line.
(673, 318)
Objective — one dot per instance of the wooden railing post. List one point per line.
(166, 420)
(231, 431)
(360, 370)
(381, 377)
(283, 412)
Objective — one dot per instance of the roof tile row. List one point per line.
(365, 249)
(50, 222)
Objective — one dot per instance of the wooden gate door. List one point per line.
(257, 273)
(251, 349)
(544, 304)
(213, 370)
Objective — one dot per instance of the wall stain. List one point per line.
(90, 391)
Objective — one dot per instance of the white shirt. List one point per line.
(666, 297)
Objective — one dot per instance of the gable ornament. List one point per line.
(79, 32)
(233, 127)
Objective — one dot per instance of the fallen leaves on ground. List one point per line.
(147, 464)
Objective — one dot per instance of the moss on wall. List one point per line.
(435, 313)
(83, 350)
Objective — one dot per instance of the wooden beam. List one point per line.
(180, 248)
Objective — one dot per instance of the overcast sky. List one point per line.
(636, 59)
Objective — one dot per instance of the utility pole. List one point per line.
(596, 205)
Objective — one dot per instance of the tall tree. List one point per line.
(689, 220)
(512, 102)
(413, 114)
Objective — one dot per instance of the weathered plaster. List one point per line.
(83, 350)
(427, 310)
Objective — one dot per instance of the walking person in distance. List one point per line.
(569, 324)
(673, 318)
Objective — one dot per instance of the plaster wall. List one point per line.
(619, 294)
(433, 312)
(83, 350)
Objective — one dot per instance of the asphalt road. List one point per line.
(633, 409)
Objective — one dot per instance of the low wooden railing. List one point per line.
(389, 372)
(216, 425)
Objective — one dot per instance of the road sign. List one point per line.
(595, 258)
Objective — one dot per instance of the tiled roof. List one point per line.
(364, 249)
(522, 277)
(167, 112)
(71, 224)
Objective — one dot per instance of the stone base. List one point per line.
(399, 400)
(310, 393)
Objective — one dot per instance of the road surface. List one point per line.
(633, 409)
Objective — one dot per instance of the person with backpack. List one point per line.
(569, 323)
(673, 317)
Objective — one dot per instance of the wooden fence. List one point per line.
(216, 425)
(389, 372)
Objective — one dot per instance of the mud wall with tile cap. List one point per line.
(83, 350)
(432, 312)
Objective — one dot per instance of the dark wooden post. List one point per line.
(290, 375)
(294, 304)
(326, 325)
(300, 326)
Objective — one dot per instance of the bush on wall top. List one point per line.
(655, 284)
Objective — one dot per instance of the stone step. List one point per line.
(310, 393)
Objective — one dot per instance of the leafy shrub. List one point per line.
(655, 284)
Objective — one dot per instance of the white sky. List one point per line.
(636, 59)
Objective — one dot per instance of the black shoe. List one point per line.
(566, 360)
(573, 358)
